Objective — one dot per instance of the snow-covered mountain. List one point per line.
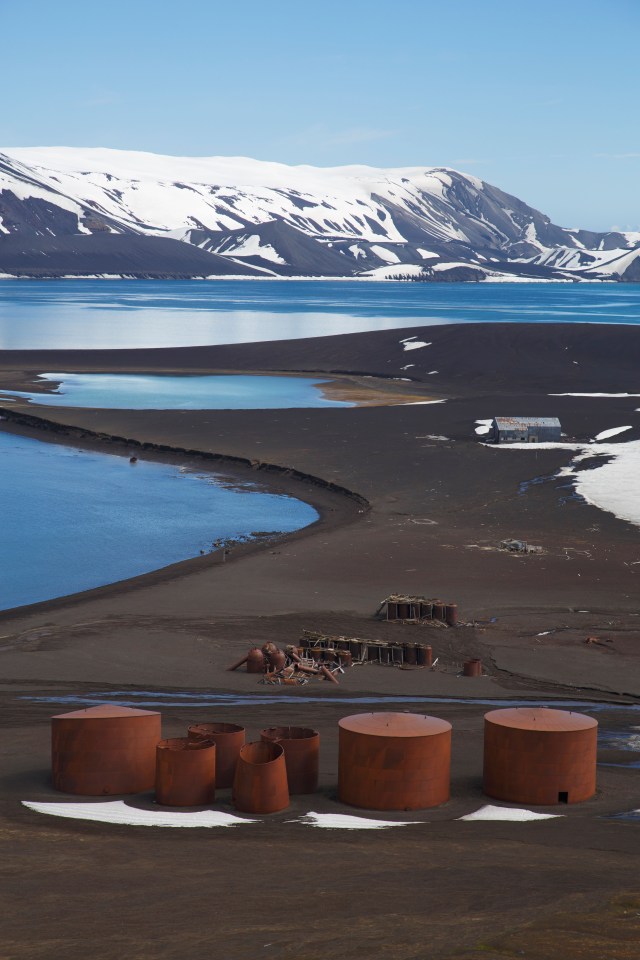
(67, 211)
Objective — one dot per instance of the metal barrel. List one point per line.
(403, 611)
(104, 751)
(260, 783)
(185, 772)
(451, 614)
(426, 610)
(439, 610)
(355, 646)
(472, 668)
(229, 739)
(392, 610)
(424, 654)
(411, 653)
(301, 747)
(278, 660)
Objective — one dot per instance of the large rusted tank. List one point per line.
(394, 761)
(105, 750)
(301, 753)
(539, 755)
(229, 739)
(185, 772)
(260, 783)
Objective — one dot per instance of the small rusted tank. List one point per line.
(185, 772)
(269, 649)
(426, 610)
(439, 610)
(301, 753)
(425, 655)
(403, 611)
(229, 739)
(411, 653)
(105, 750)
(255, 660)
(394, 761)
(278, 661)
(451, 614)
(260, 783)
(472, 668)
(538, 755)
(392, 610)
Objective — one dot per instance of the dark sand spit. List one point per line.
(409, 501)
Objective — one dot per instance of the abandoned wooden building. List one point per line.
(525, 429)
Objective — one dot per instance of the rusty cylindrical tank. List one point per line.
(104, 750)
(394, 761)
(229, 739)
(255, 660)
(439, 610)
(185, 772)
(403, 611)
(426, 610)
(260, 783)
(540, 756)
(301, 747)
(425, 655)
(451, 614)
(392, 610)
(410, 653)
(472, 668)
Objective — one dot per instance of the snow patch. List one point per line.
(117, 811)
(512, 814)
(412, 344)
(484, 426)
(612, 432)
(383, 254)
(342, 821)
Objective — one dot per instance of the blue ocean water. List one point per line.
(135, 392)
(73, 520)
(93, 314)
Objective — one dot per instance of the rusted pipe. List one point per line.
(239, 663)
(327, 673)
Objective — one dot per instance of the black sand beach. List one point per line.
(409, 501)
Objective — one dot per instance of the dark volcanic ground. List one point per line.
(438, 504)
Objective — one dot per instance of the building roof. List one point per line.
(507, 423)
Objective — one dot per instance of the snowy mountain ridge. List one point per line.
(70, 210)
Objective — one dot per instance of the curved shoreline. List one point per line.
(288, 481)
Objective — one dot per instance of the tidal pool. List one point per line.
(74, 520)
(165, 392)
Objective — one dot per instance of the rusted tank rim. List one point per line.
(261, 752)
(288, 733)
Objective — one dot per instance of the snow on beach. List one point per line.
(117, 811)
(513, 814)
(611, 486)
(342, 821)
(412, 344)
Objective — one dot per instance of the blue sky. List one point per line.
(541, 100)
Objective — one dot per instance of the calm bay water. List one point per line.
(93, 314)
(125, 392)
(73, 520)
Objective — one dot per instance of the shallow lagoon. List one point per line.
(164, 392)
(97, 314)
(73, 520)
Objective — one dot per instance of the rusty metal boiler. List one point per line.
(394, 761)
(301, 747)
(229, 739)
(185, 772)
(104, 750)
(260, 783)
(538, 755)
